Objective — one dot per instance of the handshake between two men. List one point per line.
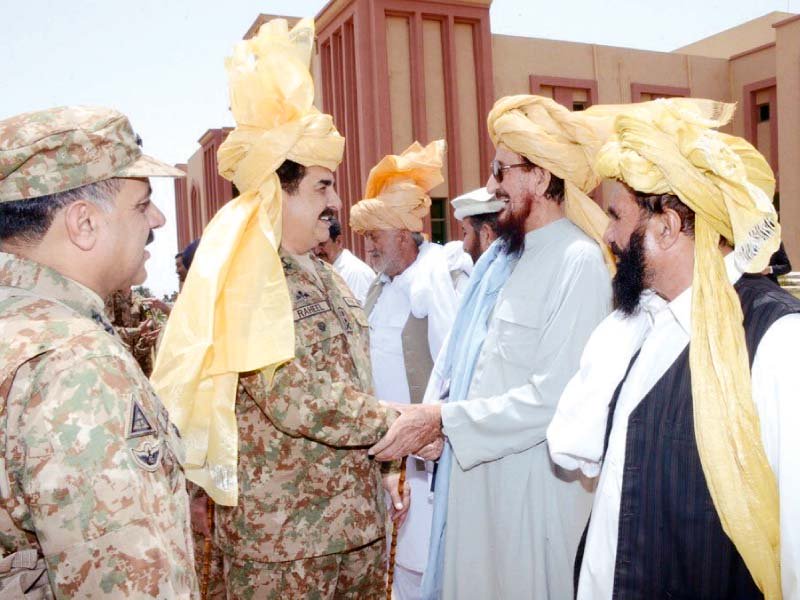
(418, 431)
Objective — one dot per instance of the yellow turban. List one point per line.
(397, 190)
(565, 144)
(234, 313)
(669, 147)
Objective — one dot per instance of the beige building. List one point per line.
(444, 75)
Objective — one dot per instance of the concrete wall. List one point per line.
(735, 40)
(468, 122)
(398, 42)
(615, 70)
(787, 62)
(194, 185)
(181, 208)
(517, 58)
(745, 70)
(422, 70)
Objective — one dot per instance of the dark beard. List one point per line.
(631, 278)
(511, 227)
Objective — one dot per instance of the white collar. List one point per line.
(651, 304)
(409, 271)
(341, 258)
(681, 306)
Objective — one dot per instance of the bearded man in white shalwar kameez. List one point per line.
(410, 307)
(507, 521)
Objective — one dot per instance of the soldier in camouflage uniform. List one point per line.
(138, 321)
(310, 522)
(92, 493)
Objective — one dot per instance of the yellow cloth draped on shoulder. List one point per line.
(234, 313)
(563, 142)
(671, 147)
(397, 189)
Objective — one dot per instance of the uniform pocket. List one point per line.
(315, 324)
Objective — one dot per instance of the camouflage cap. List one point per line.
(60, 149)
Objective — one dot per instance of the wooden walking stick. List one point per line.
(207, 550)
(393, 547)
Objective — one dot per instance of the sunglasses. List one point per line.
(498, 170)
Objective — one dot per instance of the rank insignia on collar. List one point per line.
(147, 455)
(138, 425)
(348, 328)
(98, 318)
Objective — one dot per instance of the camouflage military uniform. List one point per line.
(128, 314)
(308, 492)
(92, 478)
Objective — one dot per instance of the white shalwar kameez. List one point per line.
(514, 519)
(357, 274)
(424, 289)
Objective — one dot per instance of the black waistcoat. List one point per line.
(671, 543)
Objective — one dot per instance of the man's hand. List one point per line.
(155, 303)
(398, 511)
(149, 331)
(417, 426)
(433, 450)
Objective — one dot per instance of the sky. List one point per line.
(161, 62)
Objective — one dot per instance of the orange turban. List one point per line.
(397, 189)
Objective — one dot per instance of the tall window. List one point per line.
(439, 220)
(761, 113)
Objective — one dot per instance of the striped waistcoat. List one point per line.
(670, 542)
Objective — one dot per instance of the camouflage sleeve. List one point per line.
(304, 401)
(105, 490)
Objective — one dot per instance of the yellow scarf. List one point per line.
(565, 144)
(234, 314)
(669, 147)
(397, 189)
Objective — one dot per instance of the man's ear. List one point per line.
(485, 235)
(82, 222)
(666, 228)
(541, 180)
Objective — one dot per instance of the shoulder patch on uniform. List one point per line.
(138, 425)
(352, 302)
(147, 455)
(309, 310)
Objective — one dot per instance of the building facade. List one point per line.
(394, 71)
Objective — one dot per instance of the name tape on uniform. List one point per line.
(310, 310)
